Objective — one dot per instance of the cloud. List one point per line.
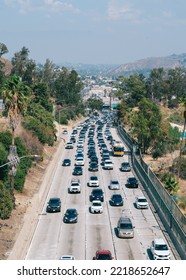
(118, 10)
(23, 5)
(56, 6)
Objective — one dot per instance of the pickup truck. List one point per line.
(75, 186)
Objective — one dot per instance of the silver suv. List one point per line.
(125, 228)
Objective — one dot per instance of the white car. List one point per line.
(96, 207)
(93, 182)
(114, 185)
(141, 202)
(69, 145)
(80, 161)
(160, 249)
(108, 164)
(75, 186)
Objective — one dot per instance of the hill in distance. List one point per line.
(142, 66)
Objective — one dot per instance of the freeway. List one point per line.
(53, 238)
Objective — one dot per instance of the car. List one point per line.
(69, 145)
(66, 162)
(132, 182)
(114, 185)
(65, 131)
(67, 257)
(103, 255)
(93, 182)
(54, 205)
(79, 161)
(108, 164)
(75, 186)
(125, 166)
(79, 155)
(93, 159)
(141, 202)
(80, 149)
(116, 200)
(71, 216)
(97, 194)
(93, 166)
(78, 170)
(96, 207)
(160, 249)
(125, 227)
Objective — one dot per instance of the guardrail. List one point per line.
(165, 206)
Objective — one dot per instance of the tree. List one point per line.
(94, 104)
(3, 49)
(6, 205)
(24, 67)
(170, 183)
(183, 102)
(15, 95)
(146, 122)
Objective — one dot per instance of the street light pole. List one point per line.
(13, 163)
(18, 159)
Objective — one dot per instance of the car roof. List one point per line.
(54, 198)
(71, 210)
(159, 241)
(67, 257)
(101, 252)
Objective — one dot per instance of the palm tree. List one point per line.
(15, 94)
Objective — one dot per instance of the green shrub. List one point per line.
(6, 204)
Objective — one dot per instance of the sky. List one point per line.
(93, 31)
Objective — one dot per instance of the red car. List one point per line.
(103, 255)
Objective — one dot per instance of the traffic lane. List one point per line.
(45, 240)
(98, 233)
(44, 243)
(72, 237)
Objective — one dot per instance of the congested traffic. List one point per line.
(102, 205)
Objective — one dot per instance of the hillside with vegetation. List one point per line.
(34, 97)
(153, 111)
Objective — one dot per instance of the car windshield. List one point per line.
(114, 182)
(71, 212)
(132, 179)
(161, 247)
(93, 178)
(54, 201)
(142, 200)
(125, 226)
(104, 257)
(96, 204)
(116, 197)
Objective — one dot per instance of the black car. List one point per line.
(66, 162)
(116, 200)
(93, 166)
(54, 205)
(132, 182)
(97, 194)
(71, 216)
(93, 159)
(125, 166)
(78, 170)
